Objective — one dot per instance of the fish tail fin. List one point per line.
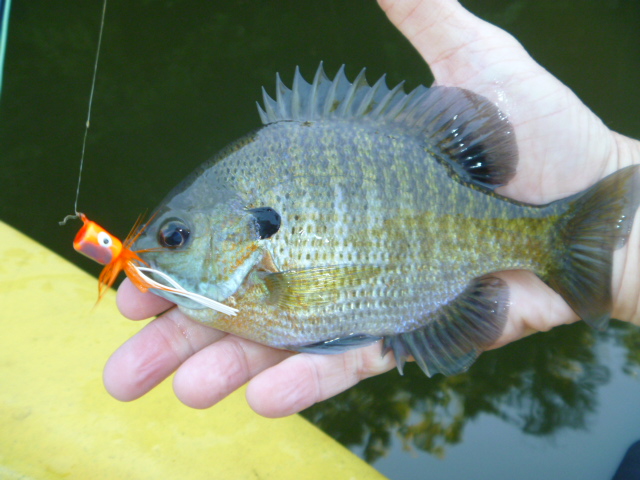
(597, 222)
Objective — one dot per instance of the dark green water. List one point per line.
(178, 80)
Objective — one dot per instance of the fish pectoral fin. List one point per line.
(312, 287)
(337, 345)
(457, 333)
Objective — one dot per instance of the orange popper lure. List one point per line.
(96, 243)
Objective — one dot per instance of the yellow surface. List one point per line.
(57, 421)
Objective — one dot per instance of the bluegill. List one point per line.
(360, 213)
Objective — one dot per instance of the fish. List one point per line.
(359, 213)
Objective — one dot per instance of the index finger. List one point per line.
(136, 305)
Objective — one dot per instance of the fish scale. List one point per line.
(387, 227)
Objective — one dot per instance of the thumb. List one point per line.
(460, 48)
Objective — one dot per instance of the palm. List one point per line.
(563, 148)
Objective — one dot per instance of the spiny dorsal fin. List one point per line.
(337, 98)
(462, 129)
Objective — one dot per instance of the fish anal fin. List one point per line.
(457, 333)
(311, 287)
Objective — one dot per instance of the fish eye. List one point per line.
(268, 221)
(173, 233)
(104, 240)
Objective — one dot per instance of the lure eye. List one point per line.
(268, 221)
(104, 240)
(173, 234)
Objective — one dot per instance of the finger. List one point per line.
(432, 26)
(533, 307)
(136, 305)
(465, 51)
(305, 379)
(456, 44)
(218, 370)
(155, 352)
(302, 380)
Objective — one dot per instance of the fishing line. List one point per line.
(88, 122)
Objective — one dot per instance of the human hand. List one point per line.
(563, 148)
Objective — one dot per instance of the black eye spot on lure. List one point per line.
(173, 233)
(268, 221)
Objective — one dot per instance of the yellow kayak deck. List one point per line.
(57, 420)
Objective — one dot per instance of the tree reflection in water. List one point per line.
(542, 384)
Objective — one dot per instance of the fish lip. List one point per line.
(180, 301)
(217, 292)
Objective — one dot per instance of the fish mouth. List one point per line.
(178, 299)
(169, 287)
(159, 276)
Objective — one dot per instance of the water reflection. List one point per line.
(629, 338)
(542, 385)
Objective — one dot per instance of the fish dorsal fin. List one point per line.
(464, 130)
(469, 132)
(337, 98)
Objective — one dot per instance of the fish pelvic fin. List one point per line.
(336, 345)
(597, 223)
(457, 333)
(466, 132)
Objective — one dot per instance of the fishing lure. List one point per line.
(99, 245)
(95, 242)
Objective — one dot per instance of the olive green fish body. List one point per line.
(386, 205)
(334, 226)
